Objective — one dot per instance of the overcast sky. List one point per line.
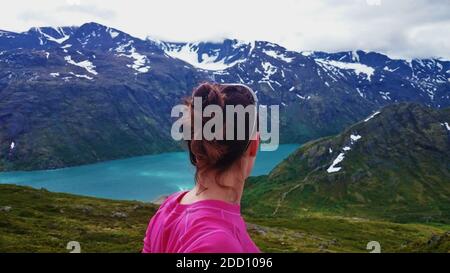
(399, 28)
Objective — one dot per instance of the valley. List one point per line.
(85, 110)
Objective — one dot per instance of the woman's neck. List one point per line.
(210, 190)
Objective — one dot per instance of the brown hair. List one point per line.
(219, 155)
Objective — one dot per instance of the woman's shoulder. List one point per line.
(172, 199)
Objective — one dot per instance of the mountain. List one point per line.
(319, 93)
(395, 165)
(76, 95)
(95, 95)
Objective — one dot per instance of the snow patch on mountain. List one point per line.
(86, 64)
(339, 159)
(372, 116)
(389, 69)
(81, 76)
(333, 167)
(303, 97)
(355, 138)
(358, 68)
(53, 39)
(189, 54)
(446, 126)
(355, 56)
(307, 53)
(122, 47)
(277, 55)
(385, 95)
(361, 94)
(140, 63)
(113, 33)
(269, 70)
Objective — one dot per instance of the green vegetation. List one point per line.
(315, 232)
(34, 220)
(396, 170)
(39, 221)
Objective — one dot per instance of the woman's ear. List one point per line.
(254, 144)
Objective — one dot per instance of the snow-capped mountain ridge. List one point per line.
(360, 68)
(80, 75)
(209, 55)
(57, 35)
(219, 56)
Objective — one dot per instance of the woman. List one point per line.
(207, 218)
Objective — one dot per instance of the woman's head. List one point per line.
(224, 157)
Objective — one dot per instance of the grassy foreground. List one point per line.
(40, 221)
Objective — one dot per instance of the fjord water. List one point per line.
(141, 178)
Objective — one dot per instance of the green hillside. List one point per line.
(40, 221)
(393, 166)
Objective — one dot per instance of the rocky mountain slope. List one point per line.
(75, 95)
(395, 164)
(98, 94)
(319, 93)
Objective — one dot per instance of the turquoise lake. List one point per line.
(141, 178)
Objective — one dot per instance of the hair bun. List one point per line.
(210, 94)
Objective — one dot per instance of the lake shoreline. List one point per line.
(142, 178)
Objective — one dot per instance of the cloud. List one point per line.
(400, 28)
(90, 10)
(31, 17)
